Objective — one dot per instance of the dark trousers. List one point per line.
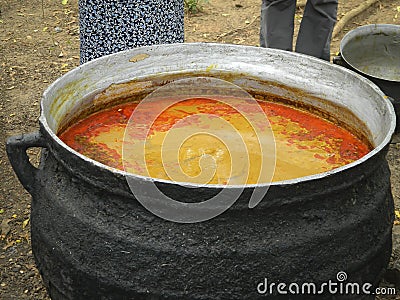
(277, 26)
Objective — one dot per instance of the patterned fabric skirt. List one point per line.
(114, 25)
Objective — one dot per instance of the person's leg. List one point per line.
(316, 28)
(277, 24)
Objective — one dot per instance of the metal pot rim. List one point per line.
(120, 173)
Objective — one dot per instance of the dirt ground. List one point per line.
(39, 44)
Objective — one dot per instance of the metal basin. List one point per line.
(374, 52)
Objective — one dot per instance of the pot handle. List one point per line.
(338, 60)
(16, 147)
(396, 106)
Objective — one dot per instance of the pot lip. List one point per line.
(367, 30)
(289, 182)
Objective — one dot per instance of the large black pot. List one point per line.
(92, 240)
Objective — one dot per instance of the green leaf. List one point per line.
(64, 2)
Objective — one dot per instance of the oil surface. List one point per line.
(208, 141)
